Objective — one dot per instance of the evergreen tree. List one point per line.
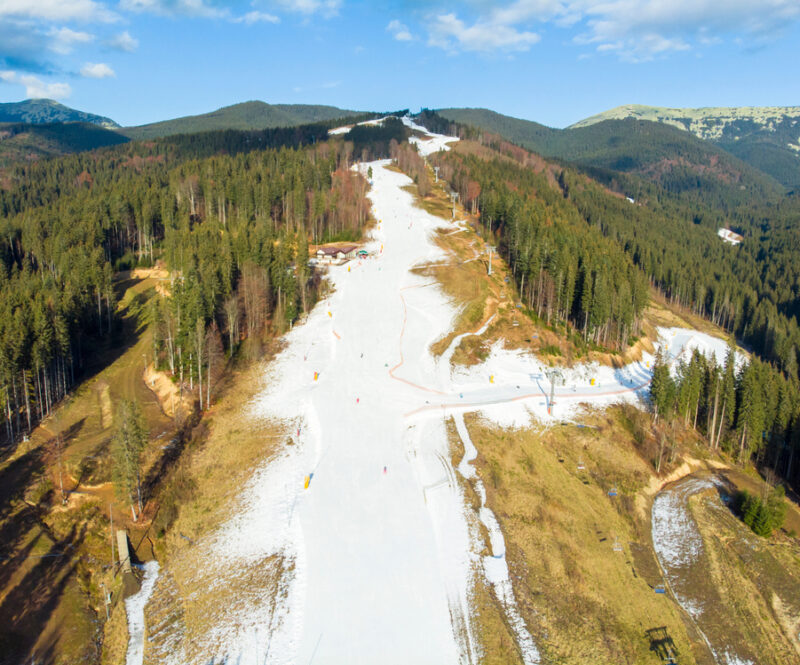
(128, 442)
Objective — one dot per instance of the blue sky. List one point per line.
(553, 61)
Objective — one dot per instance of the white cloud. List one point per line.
(452, 34)
(197, 8)
(256, 17)
(324, 7)
(399, 31)
(632, 29)
(57, 10)
(124, 42)
(97, 70)
(64, 40)
(35, 88)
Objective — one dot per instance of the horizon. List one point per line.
(142, 61)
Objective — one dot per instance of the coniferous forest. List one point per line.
(232, 229)
(231, 214)
(585, 253)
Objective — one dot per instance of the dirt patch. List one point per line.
(106, 413)
(168, 392)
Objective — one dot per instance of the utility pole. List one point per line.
(555, 377)
(490, 249)
(111, 517)
(454, 196)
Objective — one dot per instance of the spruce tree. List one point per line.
(128, 443)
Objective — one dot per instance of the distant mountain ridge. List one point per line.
(23, 142)
(247, 115)
(673, 158)
(709, 123)
(44, 111)
(766, 137)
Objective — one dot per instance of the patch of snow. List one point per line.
(134, 609)
(729, 236)
(431, 143)
(495, 566)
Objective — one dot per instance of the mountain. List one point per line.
(766, 137)
(247, 115)
(673, 158)
(40, 111)
(23, 142)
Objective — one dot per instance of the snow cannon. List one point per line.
(316, 375)
(491, 378)
(592, 381)
(329, 314)
(306, 482)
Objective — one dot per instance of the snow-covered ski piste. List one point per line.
(378, 547)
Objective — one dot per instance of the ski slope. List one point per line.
(365, 509)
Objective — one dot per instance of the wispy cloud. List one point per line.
(449, 32)
(256, 17)
(64, 40)
(308, 7)
(35, 88)
(197, 8)
(632, 29)
(123, 42)
(58, 10)
(399, 31)
(97, 70)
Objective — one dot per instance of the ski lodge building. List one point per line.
(336, 254)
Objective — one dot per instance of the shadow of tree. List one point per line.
(27, 607)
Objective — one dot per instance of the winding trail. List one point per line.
(680, 551)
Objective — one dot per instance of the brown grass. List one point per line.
(749, 578)
(583, 601)
(206, 488)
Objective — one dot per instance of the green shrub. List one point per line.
(763, 517)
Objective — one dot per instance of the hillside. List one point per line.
(247, 115)
(42, 111)
(766, 137)
(674, 159)
(21, 142)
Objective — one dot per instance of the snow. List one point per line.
(134, 608)
(340, 130)
(380, 551)
(679, 545)
(729, 236)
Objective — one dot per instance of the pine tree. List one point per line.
(127, 444)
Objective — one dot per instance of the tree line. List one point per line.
(565, 271)
(232, 229)
(743, 407)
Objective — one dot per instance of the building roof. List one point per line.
(331, 250)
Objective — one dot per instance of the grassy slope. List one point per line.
(248, 115)
(19, 142)
(55, 602)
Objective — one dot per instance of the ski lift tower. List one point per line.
(454, 196)
(490, 249)
(556, 378)
(436, 173)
